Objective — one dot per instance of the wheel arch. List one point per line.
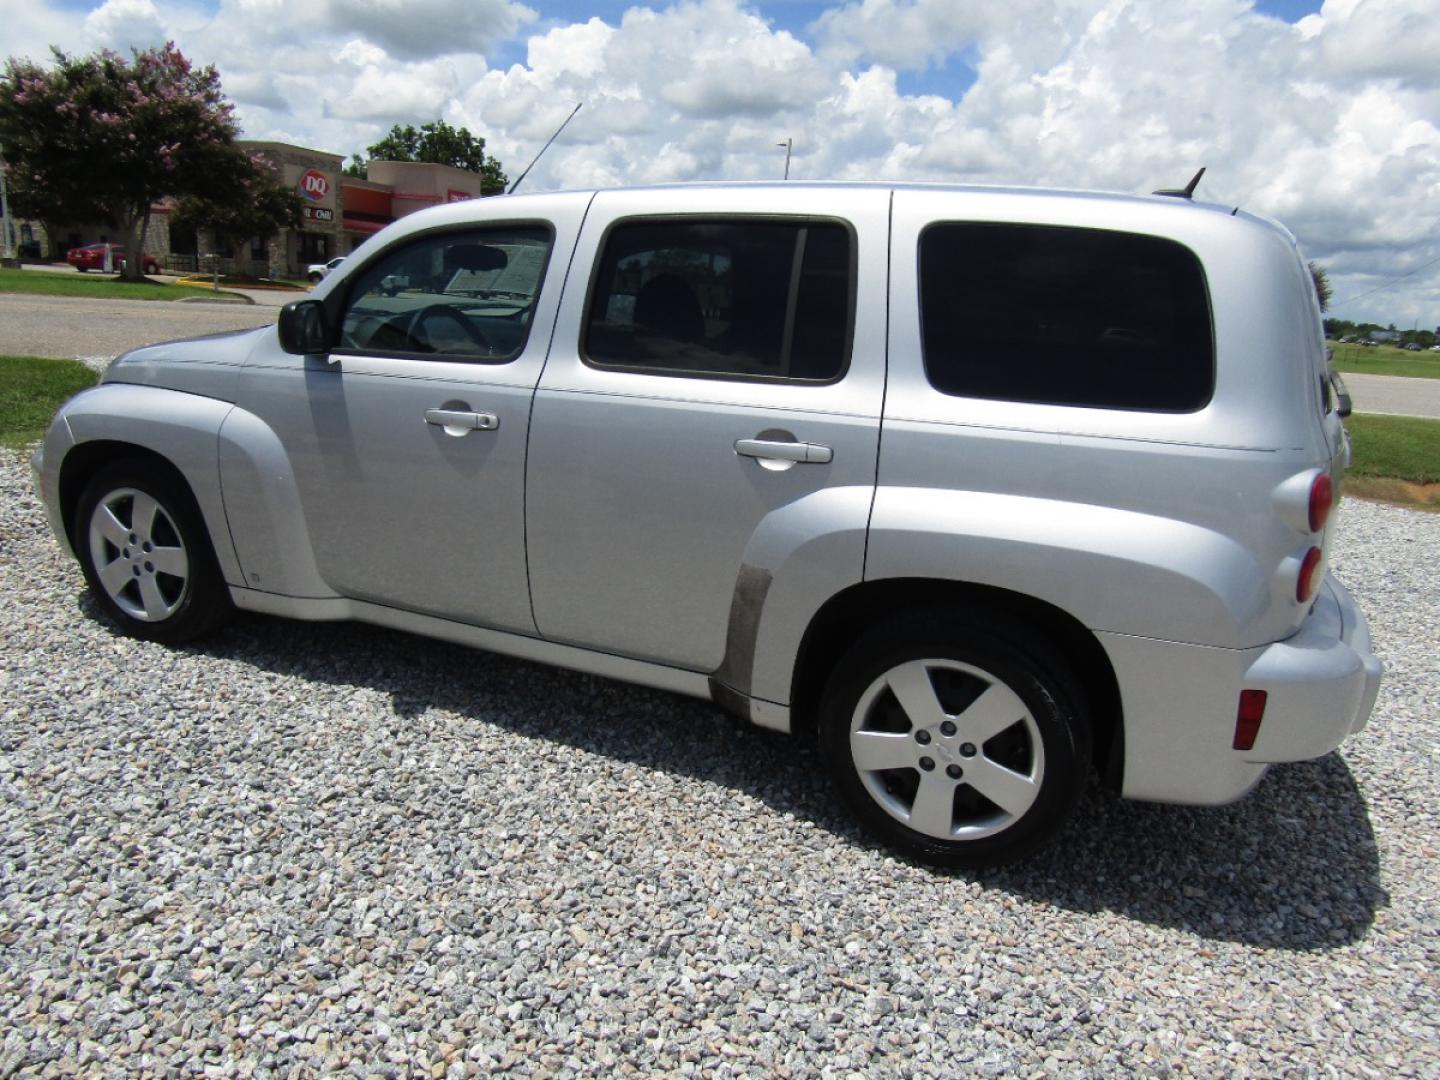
(87, 458)
(848, 613)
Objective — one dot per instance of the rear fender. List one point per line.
(800, 556)
(1114, 570)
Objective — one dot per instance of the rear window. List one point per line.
(1065, 316)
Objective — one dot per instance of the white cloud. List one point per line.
(577, 50)
(1381, 39)
(419, 29)
(1330, 124)
(123, 24)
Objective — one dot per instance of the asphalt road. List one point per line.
(1386, 395)
(65, 327)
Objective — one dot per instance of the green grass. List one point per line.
(31, 389)
(1396, 447)
(1386, 360)
(101, 286)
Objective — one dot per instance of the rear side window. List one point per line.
(1065, 316)
(748, 299)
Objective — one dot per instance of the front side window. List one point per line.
(749, 299)
(468, 295)
(1065, 316)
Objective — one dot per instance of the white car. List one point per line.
(316, 271)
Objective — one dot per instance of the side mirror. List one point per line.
(302, 328)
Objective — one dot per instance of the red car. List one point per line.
(92, 257)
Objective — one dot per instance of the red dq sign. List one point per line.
(314, 185)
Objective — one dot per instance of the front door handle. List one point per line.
(775, 450)
(458, 422)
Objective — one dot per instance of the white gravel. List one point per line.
(327, 848)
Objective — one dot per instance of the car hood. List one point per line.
(208, 365)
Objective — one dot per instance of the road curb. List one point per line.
(237, 299)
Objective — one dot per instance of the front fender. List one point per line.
(179, 427)
(1116, 571)
(262, 500)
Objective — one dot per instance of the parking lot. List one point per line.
(332, 848)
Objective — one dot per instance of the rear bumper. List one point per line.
(1322, 683)
(1180, 703)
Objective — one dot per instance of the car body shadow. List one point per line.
(1293, 865)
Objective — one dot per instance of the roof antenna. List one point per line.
(1187, 192)
(547, 147)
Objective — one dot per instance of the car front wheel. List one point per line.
(146, 555)
(961, 742)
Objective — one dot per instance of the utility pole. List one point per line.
(5, 239)
(789, 145)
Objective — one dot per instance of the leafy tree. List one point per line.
(440, 144)
(1323, 292)
(257, 204)
(100, 138)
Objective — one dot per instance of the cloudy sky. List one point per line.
(1325, 115)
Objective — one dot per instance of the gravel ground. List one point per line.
(327, 848)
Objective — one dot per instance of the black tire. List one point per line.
(315, 279)
(1037, 764)
(174, 595)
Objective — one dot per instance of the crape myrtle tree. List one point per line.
(1321, 277)
(439, 144)
(100, 138)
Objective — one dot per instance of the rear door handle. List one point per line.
(775, 450)
(465, 421)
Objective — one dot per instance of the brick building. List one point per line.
(339, 214)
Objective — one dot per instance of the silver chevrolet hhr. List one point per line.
(982, 488)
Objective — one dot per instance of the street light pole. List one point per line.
(788, 144)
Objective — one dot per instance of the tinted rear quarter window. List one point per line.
(1065, 316)
(748, 299)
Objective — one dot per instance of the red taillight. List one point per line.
(1248, 717)
(1309, 579)
(1322, 498)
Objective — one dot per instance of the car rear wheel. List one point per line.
(146, 556)
(962, 743)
